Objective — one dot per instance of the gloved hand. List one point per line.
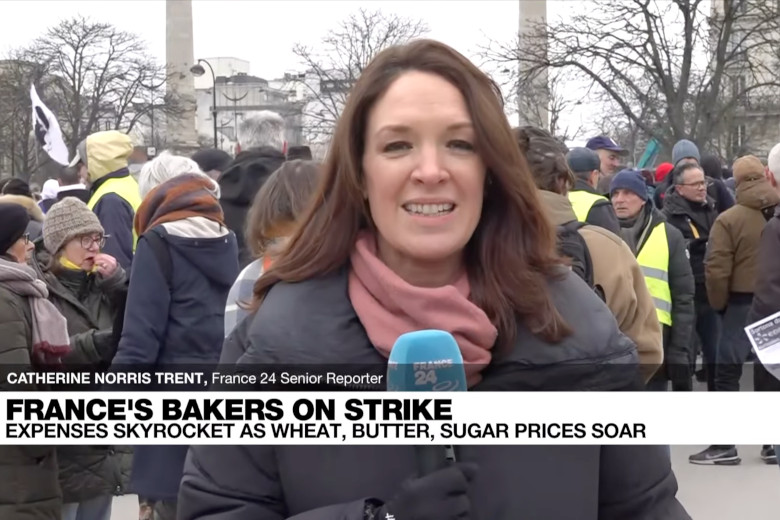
(442, 495)
(105, 343)
(680, 376)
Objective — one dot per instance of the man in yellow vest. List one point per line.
(662, 255)
(102, 160)
(588, 204)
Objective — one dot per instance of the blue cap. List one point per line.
(603, 142)
(630, 180)
(583, 160)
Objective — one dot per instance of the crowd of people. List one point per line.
(429, 211)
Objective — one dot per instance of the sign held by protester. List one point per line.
(764, 335)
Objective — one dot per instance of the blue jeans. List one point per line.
(708, 328)
(733, 348)
(98, 508)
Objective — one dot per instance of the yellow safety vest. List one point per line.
(582, 201)
(654, 261)
(126, 188)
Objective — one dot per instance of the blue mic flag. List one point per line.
(426, 361)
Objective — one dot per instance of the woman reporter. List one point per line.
(427, 217)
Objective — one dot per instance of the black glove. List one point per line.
(680, 375)
(105, 344)
(442, 495)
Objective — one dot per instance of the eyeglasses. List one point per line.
(26, 238)
(698, 184)
(87, 241)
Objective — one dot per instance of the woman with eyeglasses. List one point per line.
(87, 287)
(33, 335)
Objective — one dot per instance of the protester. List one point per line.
(184, 266)
(688, 208)
(661, 253)
(610, 159)
(48, 194)
(263, 148)
(102, 158)
(35, 224)
(424, 173)
(70, 185)
(277, 207)
(299, 152)
(731, 266)
(588, 205)
(766, 298)
(35, 335)
(661, 172)
(85, 286)
(615, 270)
(212, 161)
(716, 187)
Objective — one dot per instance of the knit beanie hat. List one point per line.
(630, 180)
(68, 219)
(15, 219)
(683, 149)
(662, 170)
(747, 168)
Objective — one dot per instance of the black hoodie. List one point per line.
(239, 184)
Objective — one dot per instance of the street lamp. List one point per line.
(198, 70)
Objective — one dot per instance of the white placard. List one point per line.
(764, 335)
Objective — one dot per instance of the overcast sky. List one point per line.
(265, 31)
(262, 32)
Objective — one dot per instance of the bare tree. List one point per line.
(105, 78)
(675, 68)
(335, 66)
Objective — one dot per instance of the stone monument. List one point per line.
(179, 56)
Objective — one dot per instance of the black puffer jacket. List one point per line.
(535, 482)
(89, 304)
(694, 221)
(239, 184)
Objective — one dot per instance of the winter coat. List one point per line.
(239, 184)
(694, 221)
(678, 347)
(734, 240)
(89, 303)
(617, 272)
(601, 213)
(262, 482)
(35, 226)
(766, 298)
(178, 325)
(116, 216)
(28, 474)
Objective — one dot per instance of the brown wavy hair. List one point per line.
(546, 158)
(280, 203)
(511, 255)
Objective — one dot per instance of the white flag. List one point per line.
(47, 130)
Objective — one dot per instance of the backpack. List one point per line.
(571, 245)
(161, 252)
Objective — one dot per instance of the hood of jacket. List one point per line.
(246, 174)
(206, 245)
(557, 208)
(27, 203)
(106, 152)
(756, 194)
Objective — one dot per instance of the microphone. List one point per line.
(427, 361)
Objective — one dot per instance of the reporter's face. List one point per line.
(424, 178)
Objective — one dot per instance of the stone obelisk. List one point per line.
(180, 56)
(533, 13)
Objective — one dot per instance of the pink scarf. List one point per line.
(388, 306)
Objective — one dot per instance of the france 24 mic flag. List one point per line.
(47, 130)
